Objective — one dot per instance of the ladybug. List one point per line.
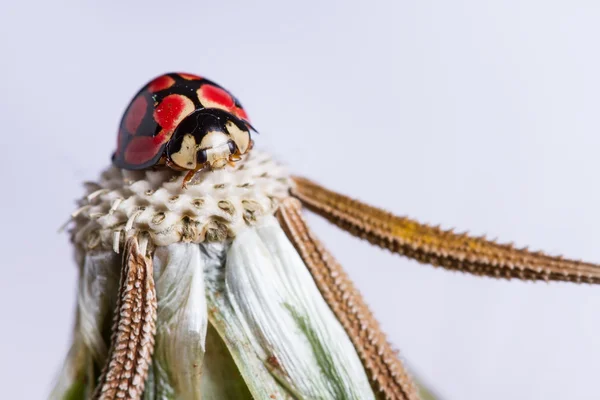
(185, 122)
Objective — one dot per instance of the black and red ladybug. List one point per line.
(185, 122)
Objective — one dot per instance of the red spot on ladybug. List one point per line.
(189, 77)
(241, 113)
(213, 97)
(161, 83)
(135, 114)
(169, 113)
(141, 149)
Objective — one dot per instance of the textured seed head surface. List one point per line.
(214, 206)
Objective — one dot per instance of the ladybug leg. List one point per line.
(233, 158)
(188, 177)
(162, 161)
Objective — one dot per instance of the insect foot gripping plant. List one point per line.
(199, 278)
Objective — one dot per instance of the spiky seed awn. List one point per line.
(132, 341)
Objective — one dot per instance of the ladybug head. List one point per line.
(208, 137)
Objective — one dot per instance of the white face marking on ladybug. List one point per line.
(215, 143)
(213, 139)
(186, 156)
(218, 157)
(240, 137)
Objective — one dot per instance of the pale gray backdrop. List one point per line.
(480, 115)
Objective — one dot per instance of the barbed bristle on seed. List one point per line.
(134, 326)
(427, 244)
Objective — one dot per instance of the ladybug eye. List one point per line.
(232, 147)
(201, 156)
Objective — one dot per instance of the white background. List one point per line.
(480, 115)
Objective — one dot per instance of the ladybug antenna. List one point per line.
(251, 127)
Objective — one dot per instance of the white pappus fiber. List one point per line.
(96, 299)
(286, 319)
(70, 378)
(252, 366)
(181, 322)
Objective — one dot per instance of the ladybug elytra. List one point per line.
(185, 122)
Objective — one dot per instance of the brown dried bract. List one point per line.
(385, 371)
(132, 341)
(435, 246)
